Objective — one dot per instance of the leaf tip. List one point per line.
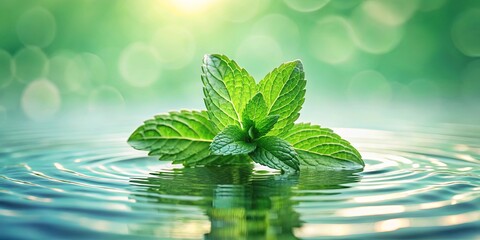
(258, 95)
(212, 56)
(135, 139)
(206, 57)
(298, 63)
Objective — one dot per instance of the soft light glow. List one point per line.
(191, 5)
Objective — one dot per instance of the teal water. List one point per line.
(72, 183)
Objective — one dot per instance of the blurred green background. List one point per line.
(364, 60)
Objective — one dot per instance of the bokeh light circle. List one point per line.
(371, 88)
(106, 99)
(466, 32)
(78, 72)
(139, 65)
(306, 5)
(279, 27)
(331, 40)
(374, 36)
(7, 68)
(30, 63)
(390, 12)
(41, 100)
(175, 46)
(36, 27)
(59, 63)
(77, 75)
(259, 54)
(96, 68)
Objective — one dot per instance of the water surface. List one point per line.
(420, 182)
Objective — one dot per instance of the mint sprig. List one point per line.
(244, 122)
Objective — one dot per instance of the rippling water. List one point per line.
(423, 182)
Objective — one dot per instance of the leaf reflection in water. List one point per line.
(238, 201)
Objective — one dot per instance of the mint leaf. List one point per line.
(255, 119)
(261, 127)
(227, 89)
(284, 90)
(182, 137)
(231, 141)
(321, 148)
(275, 153)
(265, 125)
(255, 109)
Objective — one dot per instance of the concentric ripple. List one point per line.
(88, 183)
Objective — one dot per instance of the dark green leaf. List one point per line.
(275, 153)
(231, 141)
(265, 125)
(255, 118)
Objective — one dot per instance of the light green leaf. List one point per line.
(231, 141)
(284, 92)
(256, 109)
(275, 153)
(321, 148)
(227, 89)
(182, 137)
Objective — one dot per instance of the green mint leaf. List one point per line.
(255, 110)
(321, 148)
(265, 125)
(227, 89)
(255, 119)
(261, 127)
(284, 92)
(275, 153)
(182, 137)
(231, 141)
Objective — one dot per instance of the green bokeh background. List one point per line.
(365, 61)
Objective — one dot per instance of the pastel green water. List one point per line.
(88, 183)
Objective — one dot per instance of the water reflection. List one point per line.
(237, 201)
